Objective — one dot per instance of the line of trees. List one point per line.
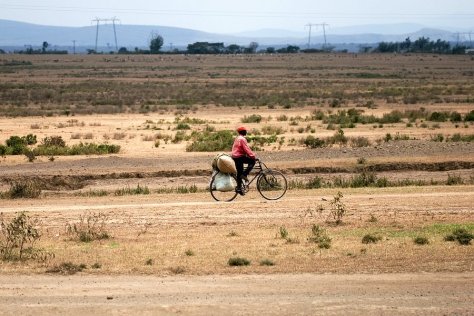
(421, 45)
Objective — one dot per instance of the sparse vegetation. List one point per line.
(90, 226)
(18, 237)
(320, 237)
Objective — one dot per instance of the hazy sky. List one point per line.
(224, 16)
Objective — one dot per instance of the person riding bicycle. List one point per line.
(242, 154)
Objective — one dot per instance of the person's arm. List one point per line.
(246, 148)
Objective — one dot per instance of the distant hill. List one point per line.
(19, 34)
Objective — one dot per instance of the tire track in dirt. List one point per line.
(286, 201)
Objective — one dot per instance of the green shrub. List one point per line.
(461, 235)
(211, 141)
(3, 150)
(421, 240)
(272, 130)
(237, 261)
(17, 238)
(90, 227)
(67, 268)
(370, 239)
(132, 191)
(315, 183)
(364, 179)
(183, 126)
(24, 189)
(359, 141)
(56, 141)
(313, 142)
(339, 209)
(283, 232)
(392, 117)
(469, 117)
(267, 262)
(454, 180)
(337, 138)
(455, 117)
(320, 237)
(438, 117)
(254, 118)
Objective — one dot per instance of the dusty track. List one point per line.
(315, 294)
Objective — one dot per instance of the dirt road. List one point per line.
(383, 294)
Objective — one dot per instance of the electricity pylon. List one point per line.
(98, 20)
(310, 25)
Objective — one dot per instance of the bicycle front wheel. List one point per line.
(272, 184)
(224, 196)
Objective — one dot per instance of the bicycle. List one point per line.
(271, 184)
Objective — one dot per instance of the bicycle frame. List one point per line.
(260, 166)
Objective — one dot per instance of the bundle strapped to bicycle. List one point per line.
(270, 183)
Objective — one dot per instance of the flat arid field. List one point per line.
(107, 184)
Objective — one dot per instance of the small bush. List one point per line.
(132, 191)
(461, 235)
(359, 141)
(339, 209)
(267, 262)
(254, 118)
(454, 180)
(237, 261)
(24, 190)
(371, 239)
(421, 240)
(56, 141)
(469, 117)
(67, 268)
(211, 141)
(283, 232)
(149, 262)
(17, 238)
(189, 253)
(90, 227)
(320, 237)
(314, 183)
(313, 142)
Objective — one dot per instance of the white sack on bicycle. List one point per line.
(223, 182)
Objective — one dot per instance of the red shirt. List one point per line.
(241, 148)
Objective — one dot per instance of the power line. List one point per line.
(234, 13)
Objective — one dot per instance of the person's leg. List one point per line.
(239, 165)
(250, 164)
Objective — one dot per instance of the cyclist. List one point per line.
(242, 154)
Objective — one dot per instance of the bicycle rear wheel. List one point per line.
(272, 184)
(224, 196)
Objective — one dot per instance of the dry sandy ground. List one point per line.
(286, 294)
(274, 291)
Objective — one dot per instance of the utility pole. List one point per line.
(113, 20)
